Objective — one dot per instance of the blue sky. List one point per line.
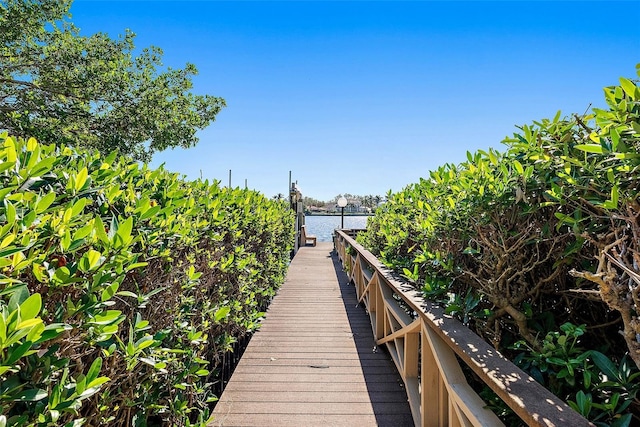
(366, 97)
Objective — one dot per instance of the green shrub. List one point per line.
(121, 287)
(506, 240)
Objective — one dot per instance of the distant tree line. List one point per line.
(370, 202)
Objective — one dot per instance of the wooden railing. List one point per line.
(429, 349)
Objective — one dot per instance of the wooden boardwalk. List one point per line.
(313, 362)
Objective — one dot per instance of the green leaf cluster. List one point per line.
(61, 86)
(122, 287)
(542, 234)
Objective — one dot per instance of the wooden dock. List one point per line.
(314, 362)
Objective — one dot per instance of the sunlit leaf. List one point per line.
(80, 179)
(221, 313)
(30, 308)
(45, 202)
(629, 87)
(590, 148)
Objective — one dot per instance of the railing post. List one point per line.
(357, 277)
(433, 405)
(411, 345)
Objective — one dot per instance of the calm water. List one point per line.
(323, 226)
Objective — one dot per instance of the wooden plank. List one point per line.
(304, 344)
(306, 420)
(339, 362)
(311, 408)
(308, 350)
(303, 334)
(359, 388)
(315, 378)
(301, 355)
(315, 396)
(325, 368)
(314, 360)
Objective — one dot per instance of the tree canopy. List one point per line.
(63, 87)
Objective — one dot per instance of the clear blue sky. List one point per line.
(366, 97)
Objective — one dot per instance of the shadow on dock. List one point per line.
(384, 384)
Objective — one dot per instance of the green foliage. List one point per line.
(561, 363)
(613, 394)
(606, 392)
(121, 287)
(544, 234)
(63, 87)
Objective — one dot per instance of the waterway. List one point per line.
(322, 226)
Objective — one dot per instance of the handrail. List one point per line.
(429, 348)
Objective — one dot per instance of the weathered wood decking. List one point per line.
(313, 363)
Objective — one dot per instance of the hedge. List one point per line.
(537, 249)
(121, 287)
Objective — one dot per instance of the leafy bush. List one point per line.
(121, 287)
(506, 240)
